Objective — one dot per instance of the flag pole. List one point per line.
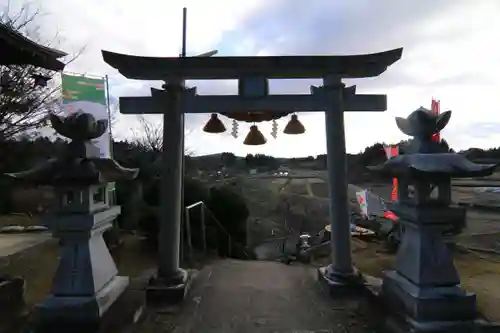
(108, 104)
(184, 29)
(111, 186)
(183, 160)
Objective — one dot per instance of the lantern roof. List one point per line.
(75, 167)
(61, 172)
(19, 50)
(272, 67)
(426, 158)
(441, 164)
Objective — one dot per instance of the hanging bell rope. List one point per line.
(254, 137)
(294, 126)
(214, 125)
(234, 131)
(274, 130)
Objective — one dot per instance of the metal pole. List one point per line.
(183, 55)
(182, 243)
(184, 30)
(111, 188)
(337, 182)
(203, 229)
(187, 221)
(109, 113)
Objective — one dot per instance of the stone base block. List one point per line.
(393, 320)
(161, 292)
(127, 310)
(400, 324)
(342, 284)
(82, 309)
(11, 302)
(425, 304)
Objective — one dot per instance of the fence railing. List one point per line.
(187, 249)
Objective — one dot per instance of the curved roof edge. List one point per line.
(13, 36)
(159, 68)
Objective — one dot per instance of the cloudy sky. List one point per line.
(451, 52)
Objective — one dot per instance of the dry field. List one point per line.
(478, 221)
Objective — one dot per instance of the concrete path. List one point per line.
(12, 243)
(265, 297)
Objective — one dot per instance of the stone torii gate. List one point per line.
(176, 100)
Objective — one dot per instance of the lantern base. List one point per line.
(80, 314)
(430, 308)
(400, 325)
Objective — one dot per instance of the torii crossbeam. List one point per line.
(194, 103)
(176, 100)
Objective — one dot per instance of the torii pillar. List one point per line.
(173, 102)
(341, 270)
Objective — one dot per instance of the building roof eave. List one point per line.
(24, 51)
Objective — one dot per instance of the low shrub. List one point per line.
(226, 206)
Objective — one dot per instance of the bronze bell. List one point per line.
(254, 137)
(214, 125)
(294, 126)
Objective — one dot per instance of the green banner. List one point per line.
(76, 88)
(80, 93)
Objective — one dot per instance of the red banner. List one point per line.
(391, 151)
(435, 110)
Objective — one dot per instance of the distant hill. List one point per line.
(356, 163)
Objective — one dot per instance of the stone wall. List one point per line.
(25, 278)
(11, 302)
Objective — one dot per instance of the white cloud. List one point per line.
(450, 52)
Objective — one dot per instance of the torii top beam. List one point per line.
(275, 67)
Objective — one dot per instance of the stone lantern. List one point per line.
(424, 289)
(85, 285)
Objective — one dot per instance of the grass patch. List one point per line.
(18, 219)
(37, 266)
(479, 274)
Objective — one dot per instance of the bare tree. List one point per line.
(151, 136)
(114, 110)
(27, 91)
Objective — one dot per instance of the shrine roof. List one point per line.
(19, 50)
(272, 67)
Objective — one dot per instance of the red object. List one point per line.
(394, 193)
(390, 215)
(435, 108)
(392, 151)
